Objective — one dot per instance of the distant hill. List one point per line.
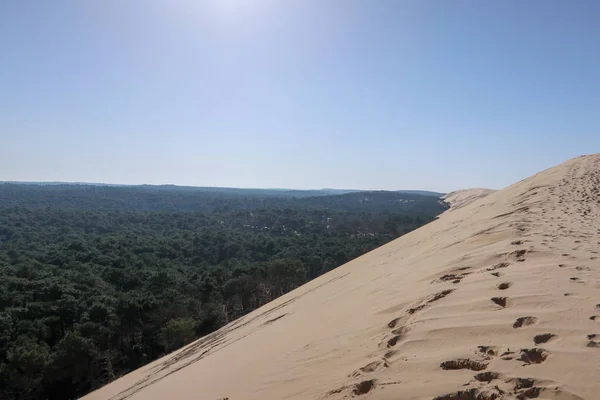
(422, 192)
(380, 201)
(276, 192)
(145, 198)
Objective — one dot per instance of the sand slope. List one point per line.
(461, 198)
(499, 299)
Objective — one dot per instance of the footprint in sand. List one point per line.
(467, 395)
(417, 308)
(463, 363)
(358, 389)
(363, 387)
(490, 352)
(429, 300)
(521, 383)
(440, 295)
(522, 389)
(487, 376)
(393, 341)
(524, 321)
(392, 324)
(398, 333)
(501, 301)
(402, 331)
(594, 341)
(543, 338)
(533, 356)
(519, 255)
(455, 278)
(369, 368)
(390, 354)
(498, 266)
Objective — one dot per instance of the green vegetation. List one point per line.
(97, 281)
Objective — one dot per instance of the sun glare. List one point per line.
(233, 11)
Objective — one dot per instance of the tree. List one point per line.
(177, 333)
(71, 368)
(285, 275)
(24, 366)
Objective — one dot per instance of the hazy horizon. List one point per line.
(210, 187)
(307, 94)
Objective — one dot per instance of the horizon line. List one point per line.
(212, 187)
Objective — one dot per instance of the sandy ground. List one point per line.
(461, 198)
(499, 299)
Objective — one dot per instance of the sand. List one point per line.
(461, 198)
(498, 299)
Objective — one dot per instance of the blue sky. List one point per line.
(382, 94)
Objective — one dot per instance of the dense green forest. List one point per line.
(96, 281)
(148, 198)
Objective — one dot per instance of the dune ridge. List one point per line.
(497, 299)
(461, 198)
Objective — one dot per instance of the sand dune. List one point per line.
(499, 299)
(461, 198)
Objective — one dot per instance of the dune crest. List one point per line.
(498, 299)
(461, 198)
